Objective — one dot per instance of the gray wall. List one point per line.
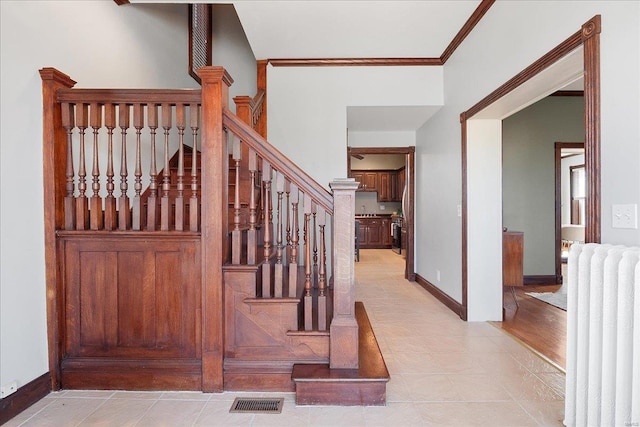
(528, 174)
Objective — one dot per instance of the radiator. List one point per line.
(603, 336)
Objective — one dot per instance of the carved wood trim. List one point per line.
(591, 42)
(588, 37)
(350, 62)
(473, 20)
(262, 87)
(568, 93)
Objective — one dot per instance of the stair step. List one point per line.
(318, 384)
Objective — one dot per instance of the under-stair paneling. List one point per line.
(131, 309)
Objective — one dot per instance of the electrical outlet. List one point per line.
(382, 207)
(459, 209)
(438, 275)
(624, 216)
(8, 389)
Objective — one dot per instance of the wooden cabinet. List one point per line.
(370, 181)
(375, 233)
(387, 183)
(512, 258)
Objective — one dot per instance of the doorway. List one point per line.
(408, 205)
(577, 56)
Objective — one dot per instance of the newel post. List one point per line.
(54, 156)
(214, 225)
(343, 346)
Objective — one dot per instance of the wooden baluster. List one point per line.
(152, 201)
(236, 233)
(95, 203)
(287, 192)
(82, 203)
(194, 205)
(165, 207)
(266, 266)
(68, 122)
(295, 235)
(124, 216)
(315, 246)
(179, 212)
(279, 268)
(110, 210)
(308, 298)
(322, 273)
(252, 238)
(136, 209)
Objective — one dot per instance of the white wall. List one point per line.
(381, 139)
(503, 44)
(99, 44)
(528, 178)
(307, 107)
(231, 50)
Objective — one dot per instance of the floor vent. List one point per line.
(257, 405)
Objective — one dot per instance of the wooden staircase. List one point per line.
(216, 277)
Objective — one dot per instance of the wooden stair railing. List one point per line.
(103, 208)
(291, 197)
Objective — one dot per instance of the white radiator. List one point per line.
(603, 336)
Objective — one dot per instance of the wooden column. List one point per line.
(214, 238)
(261, 126)
(54, 155)
(343, 346)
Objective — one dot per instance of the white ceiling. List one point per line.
(352, 29)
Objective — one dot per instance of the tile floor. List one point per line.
(444, 372)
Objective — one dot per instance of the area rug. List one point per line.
(556, 299)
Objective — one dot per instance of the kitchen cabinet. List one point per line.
(387, 183)
(385, 190)
(401, 175)
(370, 181)
(375, 233)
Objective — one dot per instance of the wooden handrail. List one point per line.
(278, 160)
(130, 96)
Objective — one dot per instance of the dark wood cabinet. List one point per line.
(370, 181)
(375, 233)
(401, 176)
(512, 258)
(359, 177)
(384, 190)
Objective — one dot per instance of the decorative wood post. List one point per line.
(214, 240)
(343, 347)
(54, 156)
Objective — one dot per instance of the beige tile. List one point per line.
(414, 363)
(97, 394)
(152, 395)
(172, 413)
(336, 416)
(64, 412)
(494, 414)
(31, 411)
(548, 414)
(459, 363)
(555, 380)
(394, 414)
(216, 413)
(119, 412)
(479, 388)
(185, 395)
(529, 387)
(430, 388)
(291, 415)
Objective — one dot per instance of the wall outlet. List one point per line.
(624, 216)
(438, 275)
(382, 207)
(8, 389)
(459, 208)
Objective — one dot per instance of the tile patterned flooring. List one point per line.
(444, 372)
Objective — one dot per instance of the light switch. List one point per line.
(624, 216)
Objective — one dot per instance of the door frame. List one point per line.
(410, 155)
(588, 36)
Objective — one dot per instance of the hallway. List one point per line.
(443, 372)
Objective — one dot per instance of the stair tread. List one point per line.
(371, 363)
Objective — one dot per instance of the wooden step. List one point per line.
(318, 384)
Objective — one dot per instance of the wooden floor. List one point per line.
(540, 325)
